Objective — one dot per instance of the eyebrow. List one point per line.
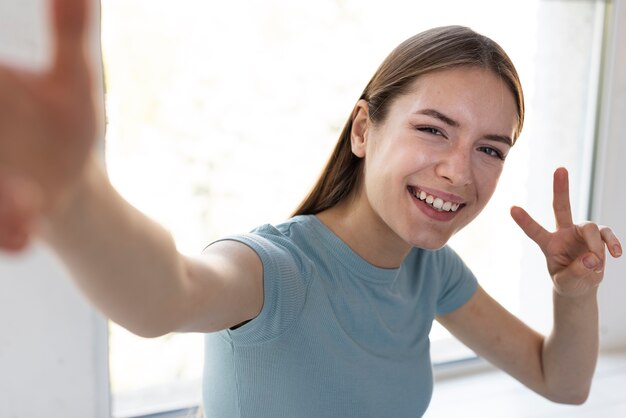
(451, 122)
(438, 115)
(500, 138)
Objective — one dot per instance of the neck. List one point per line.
(366, 234)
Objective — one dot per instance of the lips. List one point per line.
(436, 202)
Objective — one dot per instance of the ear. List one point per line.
(360, 125)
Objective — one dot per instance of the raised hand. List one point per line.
(48, 126)
(575, 253)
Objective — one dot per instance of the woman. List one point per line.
(327, 314)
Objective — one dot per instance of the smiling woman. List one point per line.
(193, 123)
(450, 164)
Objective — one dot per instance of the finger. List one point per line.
(611, 241)
(15, 229)
(14, 240)
(19, 206)
(580, 276)
(590, 234)
(561, 201)
(531, 228)
(69, 23)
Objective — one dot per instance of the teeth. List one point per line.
(437, 202)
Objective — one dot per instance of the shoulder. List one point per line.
(280, 247)
(286, 274)
(291, 236)
(445, 272)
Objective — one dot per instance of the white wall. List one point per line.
(53, 353)
(53, 347)
(609, 197)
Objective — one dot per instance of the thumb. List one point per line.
(590, 262)
(583, 273)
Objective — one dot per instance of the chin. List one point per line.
(432, 247)
(430, 244)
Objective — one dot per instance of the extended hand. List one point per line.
(48, 126)
(575, 253)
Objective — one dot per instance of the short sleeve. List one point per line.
(457, 282)
(285, 280)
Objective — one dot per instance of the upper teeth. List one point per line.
(437, 202)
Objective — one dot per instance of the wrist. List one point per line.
(582, 300)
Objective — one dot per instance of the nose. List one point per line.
(455, 166)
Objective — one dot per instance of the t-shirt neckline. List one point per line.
(342, 252)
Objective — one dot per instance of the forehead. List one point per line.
(473, 97)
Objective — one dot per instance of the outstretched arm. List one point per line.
(561, 366)
(53, 188)
(128, 266)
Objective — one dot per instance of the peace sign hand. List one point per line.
(48, 126)
(575, 253)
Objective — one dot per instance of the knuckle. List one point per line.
(589, 227)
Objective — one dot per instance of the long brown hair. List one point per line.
(435, 49)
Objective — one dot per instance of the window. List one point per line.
(204, 99)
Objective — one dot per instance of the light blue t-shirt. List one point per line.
(337, 336)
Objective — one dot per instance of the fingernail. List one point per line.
(591, 262)
(617, 250)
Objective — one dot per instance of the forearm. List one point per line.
(126, 264)
(570, 353)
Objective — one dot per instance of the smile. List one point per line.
(435, 202)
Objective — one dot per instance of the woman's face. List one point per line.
(433, 163)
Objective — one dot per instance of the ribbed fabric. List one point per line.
(337, 337)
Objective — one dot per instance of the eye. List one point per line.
(430, 130)
(492, 152)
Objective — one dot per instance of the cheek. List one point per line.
(486, 183)
(382, 185)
